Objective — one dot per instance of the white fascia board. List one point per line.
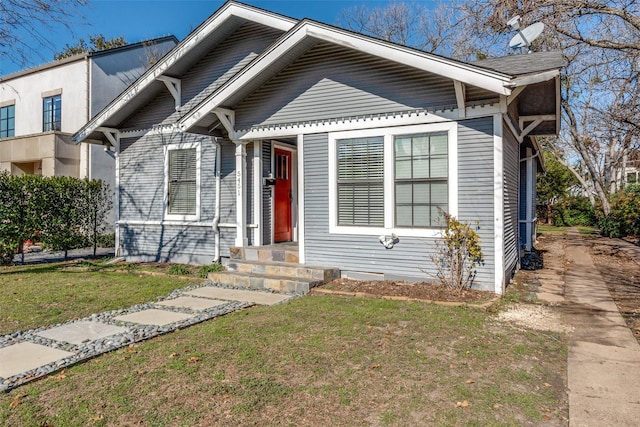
(191, 41)
(535, 78)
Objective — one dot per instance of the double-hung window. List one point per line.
(182, 169)
(52, 113)
(421, 172)
(7, 121)
(392, 179)
(361, 181)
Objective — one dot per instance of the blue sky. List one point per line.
(138, 20)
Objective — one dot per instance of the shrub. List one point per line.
(624, 219)
(179, 270)
(573, 210)
(211, 268)
(457, 254)
(106, 240)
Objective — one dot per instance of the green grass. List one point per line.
(551, 229)
(318, 360)
(38, 295)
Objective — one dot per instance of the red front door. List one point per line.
(283, 231)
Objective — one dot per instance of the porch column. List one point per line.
(241, 199)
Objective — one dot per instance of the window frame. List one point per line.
(51, 114)
(182, 146)
(389, 134)
(13, 129)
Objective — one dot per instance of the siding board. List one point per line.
(330, 81)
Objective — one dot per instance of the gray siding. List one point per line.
(330, 82)
(207, 75)
(142, 193)
(475, 189)
(511, 168)
(411, 257)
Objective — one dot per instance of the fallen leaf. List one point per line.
(193, 359)
(172, 355)
(462, 404)
(17, 400)
(497, 406)
(546, 417)
(470, 381)
(374, 366)
(141, 372)
(547, 385)
(96, 419)
(60, 376)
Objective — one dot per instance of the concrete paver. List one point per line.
(191, 303)
(262, 298)
(81, 332)
(25, 356)
(604, 356)
(153, 317)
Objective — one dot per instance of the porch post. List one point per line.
(241, 199)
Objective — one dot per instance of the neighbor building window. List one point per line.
(52, 113)
(7, 121)
(360, 173)
(421, 171)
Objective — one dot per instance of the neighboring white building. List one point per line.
(42, 106)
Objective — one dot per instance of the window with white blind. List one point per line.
(361, 181)
(392, 179)
(182, 175)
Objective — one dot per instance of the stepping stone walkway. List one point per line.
(27, 355)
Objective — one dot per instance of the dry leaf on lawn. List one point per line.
(193, 359)
(462, 404)
(470, 381)
(17, 400)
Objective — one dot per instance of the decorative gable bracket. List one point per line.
(112, 135)
(175, 88)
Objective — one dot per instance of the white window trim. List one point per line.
(182, 146)
(389, 178)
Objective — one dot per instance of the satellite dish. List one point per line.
(525, 37)
(514, 22)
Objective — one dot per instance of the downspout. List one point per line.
(216, 218)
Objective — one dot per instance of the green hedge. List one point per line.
(60, 212)
(624, 219)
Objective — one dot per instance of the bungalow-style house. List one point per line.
(258, 129)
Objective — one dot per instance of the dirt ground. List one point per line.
(423, 291)
(622, 275)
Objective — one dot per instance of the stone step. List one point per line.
(291, 270)
(254, 281)
(276, 253)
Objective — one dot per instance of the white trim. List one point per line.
(294, 189)
(116, 204)
(388, 134)
(174, 223)
(498, 204)
(461, 90)
(529, 194)
(241, 194)
(181, 146)
(535, 78)
(301, 195)
(381, 122)
(257, 192)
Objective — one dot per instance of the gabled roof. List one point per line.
(497, 76)
(216, 27)
(299, 38)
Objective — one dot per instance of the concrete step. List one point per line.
(253, 281)
(277, 253)
(273, 268)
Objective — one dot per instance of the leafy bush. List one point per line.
(106, 241)
(624, 219)
(179, 270)
(62, 212)
(571, 211)
(457, 254)
(211, 268)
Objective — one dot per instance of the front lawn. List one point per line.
(45, 294)
(318, 360)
